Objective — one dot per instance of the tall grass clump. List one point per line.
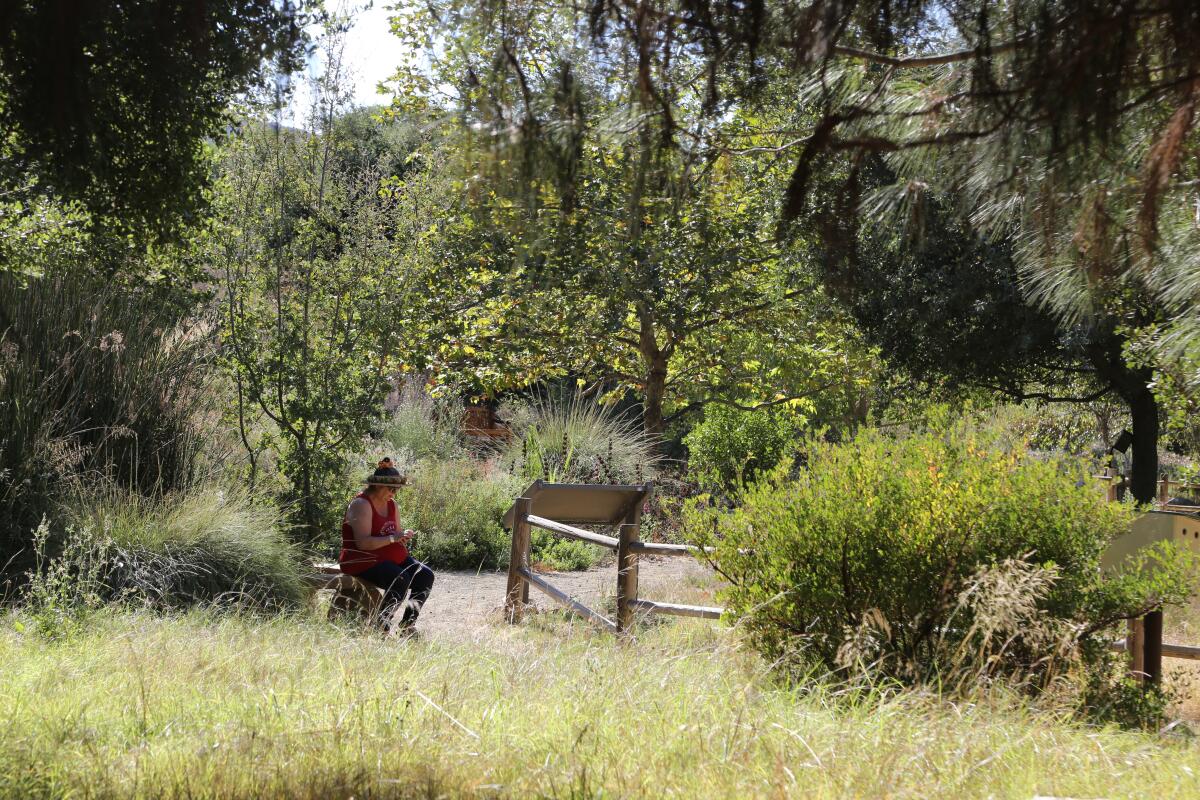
(208, 546)
(936, 559)
(575, 440)
(421, 426)
(97, 382)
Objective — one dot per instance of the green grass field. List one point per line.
(204, 705)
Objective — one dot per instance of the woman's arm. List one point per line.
(359, 517)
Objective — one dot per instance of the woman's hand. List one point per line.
(407, 535)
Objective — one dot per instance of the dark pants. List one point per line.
(412, 578)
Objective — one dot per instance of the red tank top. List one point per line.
(354, 561)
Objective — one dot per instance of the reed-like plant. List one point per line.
(420, 426)
(571, 439)
(98, 383)
(209, 545)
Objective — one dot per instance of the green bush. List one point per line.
(204, 546)
(555, 552)
(574, 440)
(731, 445)
(457, 509)
(935, 558)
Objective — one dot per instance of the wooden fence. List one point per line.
(595, 504)
(1166, 488)
(621, 507)
(1144, 637)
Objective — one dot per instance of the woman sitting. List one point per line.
(376, 550)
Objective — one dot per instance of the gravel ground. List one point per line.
(464, 602)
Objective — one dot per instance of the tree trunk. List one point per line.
(1143, 478)
(652, 407)
(1132, 385)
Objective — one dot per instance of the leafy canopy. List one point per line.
(111, 104)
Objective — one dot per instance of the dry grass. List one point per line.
(201, 705)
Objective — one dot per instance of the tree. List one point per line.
(303, 247)
(1063, 124)
(951, 308)
(1066, 122)
(605, 255)
(111, 104)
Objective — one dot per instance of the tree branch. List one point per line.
(696, 405)
(1046, 397)
(915, 62)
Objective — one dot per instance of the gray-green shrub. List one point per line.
(422, 427)
(867, 555)
(458, 508)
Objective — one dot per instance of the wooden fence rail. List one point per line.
(572, 532)
(619, 506)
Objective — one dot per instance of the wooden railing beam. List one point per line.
(568, 601)
(572, 532)
(678, 609)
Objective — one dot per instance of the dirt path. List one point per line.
(462, 603)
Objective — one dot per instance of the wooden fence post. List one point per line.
(1164, 490)
(518, 589)
(1135, 648)
(1152, 632)
(1110, 484)
(627, 576)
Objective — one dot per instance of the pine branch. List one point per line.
(915, 62)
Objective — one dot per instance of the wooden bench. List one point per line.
(347, 594)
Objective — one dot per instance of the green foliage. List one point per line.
(63, 590)
(205, 546)
(1076, 429)
(948, 307)
(575, 440)
(96, 382)
(554, 552)
(209, 545)
(598, 253)
(312, 316)
(111, 104)
(731, 446)
(422, 427)
(457, 509)
(938, 557)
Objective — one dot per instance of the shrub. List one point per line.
(930, 558)
(554, 552)
(204, 546)
(458, 508)
(575, 440)
(731, 445)
(96, 381)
